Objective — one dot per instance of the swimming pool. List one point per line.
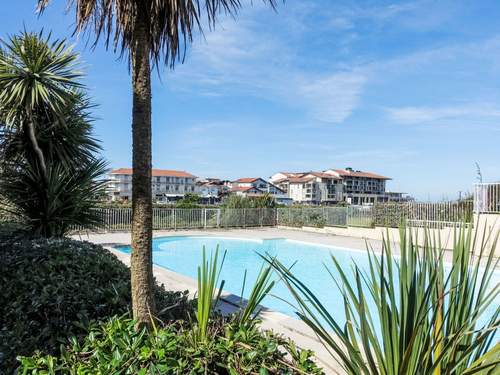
(182, 254)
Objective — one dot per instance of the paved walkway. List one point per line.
(272, 320)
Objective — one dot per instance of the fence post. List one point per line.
(244, 218)
(218, 218)
(205, 218)
(175, 218)
(261, 216)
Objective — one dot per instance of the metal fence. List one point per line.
(433, 215)
(416, 213)
(487, 198)
(120, 219)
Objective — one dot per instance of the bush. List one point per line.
(238, 201)
(413, 314)
(53, 288)
(116, 347)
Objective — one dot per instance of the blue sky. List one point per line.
(408, 89)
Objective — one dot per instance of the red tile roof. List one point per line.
(156, 172)
(247, 179)
(244, 188)
(347, 173)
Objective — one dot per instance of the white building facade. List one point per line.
(166, 185)
(310, 187)
(334, 186)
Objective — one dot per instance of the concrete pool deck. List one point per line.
(271, 320)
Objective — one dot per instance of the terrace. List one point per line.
(375, 285)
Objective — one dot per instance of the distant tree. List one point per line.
(189, 200)
(238, 201)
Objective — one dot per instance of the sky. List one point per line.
(407, 89)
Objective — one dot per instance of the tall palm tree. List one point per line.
(148, 32)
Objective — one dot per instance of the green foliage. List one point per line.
(189, 200)
(35, 72)
(50, 174)
(52, 288)
(212, 344)
(208, 293)
(239, 201)
(426, 317)
(116, 347)
(262, 287)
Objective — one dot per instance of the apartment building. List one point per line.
(310, 187)
(361, 187)
(335, 185)
(167, 185)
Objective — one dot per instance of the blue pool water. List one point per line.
(183, 254)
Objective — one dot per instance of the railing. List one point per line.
(393, 214)
(430, 224)
(120, 219)
(487, 198)
(434, 215)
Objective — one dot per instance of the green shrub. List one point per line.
(410, 314)
(116, 347)
(53, 288)
(238, 201)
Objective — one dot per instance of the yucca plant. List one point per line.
(262, 287)
(208, 293)
(37, 75)
(426, 314)
(50, 170)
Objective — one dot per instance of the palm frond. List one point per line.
(169, 24)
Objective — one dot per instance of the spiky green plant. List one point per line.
(50, 172)
(208, 293)
(262, 287)
(36, 74)
(426, 319)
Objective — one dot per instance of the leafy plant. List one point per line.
(50, 173)
(189, 200)
(238, 201)
(116, 347)
(426, 317)
(262, 287)
(208, 293)
(53, 288)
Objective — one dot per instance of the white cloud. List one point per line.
(335, 97)
(415, 115)
(239, 56)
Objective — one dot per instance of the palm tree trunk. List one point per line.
(143, 304)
